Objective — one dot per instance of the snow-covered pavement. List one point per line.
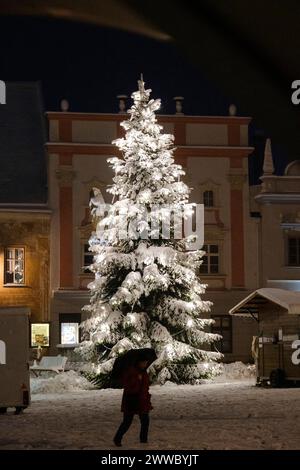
(232, 415)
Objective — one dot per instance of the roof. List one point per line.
(23, 175)
(249, 306)
(79, 116)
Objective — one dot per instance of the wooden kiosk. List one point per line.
(277, 347)
(14, 356)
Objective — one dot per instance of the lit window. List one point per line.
(14, 266)
(69, 328)
(223, 327)
(87, 258)
(210, 260)
(69, 333)
(208, 198)
(40, 333)
(294, 251)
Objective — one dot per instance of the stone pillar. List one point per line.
(43, 250)
(237, 181)
(65, 175)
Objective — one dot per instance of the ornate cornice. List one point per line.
(94, 183)
(214, 232)
(278, 198)
(14, 231)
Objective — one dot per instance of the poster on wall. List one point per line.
(39, 335)
(69, 333)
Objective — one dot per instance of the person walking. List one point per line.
(136, 400)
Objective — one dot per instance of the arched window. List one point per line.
(208, 198)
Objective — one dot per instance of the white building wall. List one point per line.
(206, 134)
(244, 135)
(53, 131)
(213, 171)
(168, 127)
(94, 131)
(53, 196)
(88, 169)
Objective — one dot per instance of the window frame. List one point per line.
(61, 333)
(84, 269)
(69, 318)
(208, 255)
(219, 330)
(210, 195)
(297, 238)
(13, 247)
(49, 331)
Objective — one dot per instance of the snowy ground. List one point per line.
(221, 415)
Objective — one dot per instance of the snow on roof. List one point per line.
(287, 299)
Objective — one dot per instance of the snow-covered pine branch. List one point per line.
(146, 291)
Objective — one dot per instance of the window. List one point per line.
(87, 258)
(69, 328)
(208, 198)
(223, 327)
(294, 251)
(69, 333)
(2, 352)
(210, 260)
(14, 266)
(40, 333)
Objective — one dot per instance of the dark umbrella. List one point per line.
(130, 358)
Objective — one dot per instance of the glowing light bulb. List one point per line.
(131, 317)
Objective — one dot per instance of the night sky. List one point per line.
(90, 65)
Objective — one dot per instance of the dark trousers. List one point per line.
(126, 423)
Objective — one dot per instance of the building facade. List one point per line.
(252, 233)
(214, 153)
(25, 265)
(277, 202)
(24, 215)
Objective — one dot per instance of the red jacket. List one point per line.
(136, 397)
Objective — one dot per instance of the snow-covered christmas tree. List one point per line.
(147, 291)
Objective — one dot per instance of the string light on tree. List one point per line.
(147, 291)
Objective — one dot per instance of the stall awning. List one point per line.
(249, 306)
